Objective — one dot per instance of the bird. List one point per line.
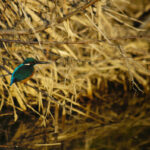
(25, 71)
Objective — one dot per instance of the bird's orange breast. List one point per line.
(28, 78)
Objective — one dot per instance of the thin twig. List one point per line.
(131, 78)
(73, 42)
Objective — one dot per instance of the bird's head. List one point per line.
(31, 61)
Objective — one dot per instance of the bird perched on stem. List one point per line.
(25, 70)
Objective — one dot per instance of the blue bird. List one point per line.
(25, 71)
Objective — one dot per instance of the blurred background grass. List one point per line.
(95, 94)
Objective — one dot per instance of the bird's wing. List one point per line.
(21, 72)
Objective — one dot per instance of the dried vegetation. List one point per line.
(99, 51)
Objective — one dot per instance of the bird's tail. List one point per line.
(12, 81)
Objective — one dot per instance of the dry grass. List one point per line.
(95, 49)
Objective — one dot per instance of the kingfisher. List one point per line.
(25, 70)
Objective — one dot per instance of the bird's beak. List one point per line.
(43, 62)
